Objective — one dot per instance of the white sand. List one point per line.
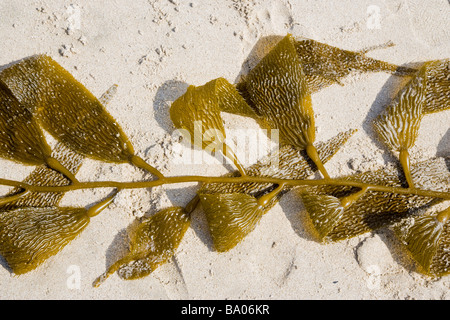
(152, 49)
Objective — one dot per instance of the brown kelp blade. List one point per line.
(398, 126)
(44, 176)
(426, 238)
(373, 209)
(438, 86)
(324, 65)
(277, 91)
(324, 212)
(399, 123)
(153, 241)
(66, 109)
(29, 236)
(197, 112)
(231, 217)
(21, 139)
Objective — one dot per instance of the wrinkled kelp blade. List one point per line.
(374, 210)
(231, 217)
(399, 124)
(324, 65)
(66, 109)
(324, 212)
(438, 86)
(279, 95)
(153, 241)
(421, 236)
(21, 139)
(29, 236)
(440, 265)
(197, 111)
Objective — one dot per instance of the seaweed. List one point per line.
(37, 94)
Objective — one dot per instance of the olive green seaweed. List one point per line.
(38, 95)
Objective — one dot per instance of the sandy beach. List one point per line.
(154, 49)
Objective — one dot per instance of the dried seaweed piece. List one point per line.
(426, 239)
(437, 96)
(68, 111)
(231, 217)
(398, 126)
(153, 241)
(198, 112)
(324, 65)
(373, 209)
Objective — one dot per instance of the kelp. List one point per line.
(153, 240)
(427, 239)
(324, 65)
(37, 95)
(68, 111)
(372, 210)
(222, 203)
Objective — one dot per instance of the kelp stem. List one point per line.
(312, 153)
(232, 156)
(13, 197)
(140, 163)
(349, 200)
(245, 179)
(100, 206)
(56, 165)
(267, 197)
(405, 163)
